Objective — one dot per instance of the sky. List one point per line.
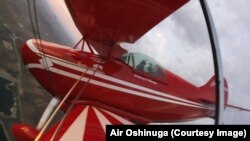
(234, 35)
(180, 43)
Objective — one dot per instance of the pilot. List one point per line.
(141, 65)
(150, 68)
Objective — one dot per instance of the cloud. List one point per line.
(190, 24)
(232, 21)
(180, 43)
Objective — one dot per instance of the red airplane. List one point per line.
(109, 85)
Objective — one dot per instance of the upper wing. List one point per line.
(111, 21)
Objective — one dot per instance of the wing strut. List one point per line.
(82, 42)
(73, 103)
(58, 108)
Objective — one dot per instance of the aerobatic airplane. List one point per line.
(109, 85)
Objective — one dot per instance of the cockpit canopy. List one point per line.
(143, 63)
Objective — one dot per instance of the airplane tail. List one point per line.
(208, 94)
(238, 108)
(208, 91)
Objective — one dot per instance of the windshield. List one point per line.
(143, 63)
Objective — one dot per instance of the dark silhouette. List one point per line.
(6, 98)
(141, 65)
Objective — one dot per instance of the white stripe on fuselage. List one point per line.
(70, 65)
(113, 87)
(115, 80)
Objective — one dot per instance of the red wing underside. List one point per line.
(83, 123)
(111, 21)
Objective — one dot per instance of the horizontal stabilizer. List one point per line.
(238, 108)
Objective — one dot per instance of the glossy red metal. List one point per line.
(115, 84)
(105, 22)
(111, 91)
(23, 132)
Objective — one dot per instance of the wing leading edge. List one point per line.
(111, 21)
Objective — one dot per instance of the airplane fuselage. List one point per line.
(114, 85)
